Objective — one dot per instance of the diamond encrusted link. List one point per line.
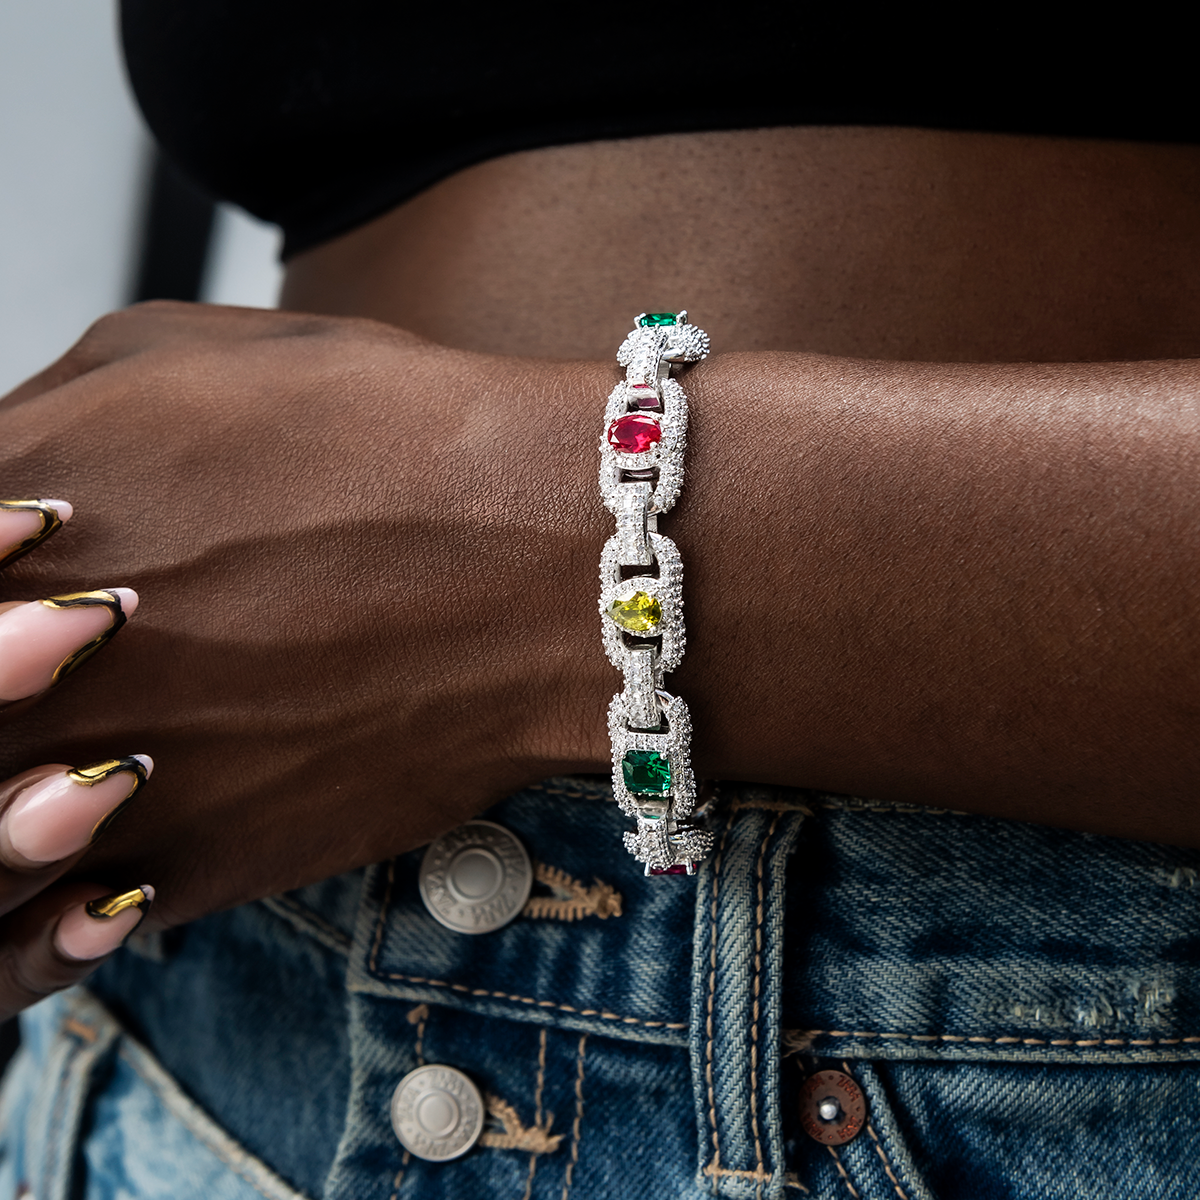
(641, 615)
(666, 587)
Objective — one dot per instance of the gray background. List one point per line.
(73, 165)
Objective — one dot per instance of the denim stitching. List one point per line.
(578, 1119)
(76, 1026)
(712, 990)
(579, 1012)
(758, 941)
(404, 1161)
(842, 1172)
(791, 1179)
(758, 1173)
(537, 1139)
(600, 900)
(462, 987)
(418, 1017)
(887, 1166)
(537, 1109)
(802, 1039)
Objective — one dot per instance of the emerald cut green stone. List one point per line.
(646, 771)
(658, 319)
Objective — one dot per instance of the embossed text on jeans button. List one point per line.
(437, 1113)
(476, 878)
(833, 1109)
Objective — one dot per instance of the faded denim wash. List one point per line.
(1020, 1005)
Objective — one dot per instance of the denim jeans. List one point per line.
(1020, 1006)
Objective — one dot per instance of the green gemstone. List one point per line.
(658, 319)
(646, 771)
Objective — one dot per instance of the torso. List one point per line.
(870, 242)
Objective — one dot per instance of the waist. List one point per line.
(868, 242)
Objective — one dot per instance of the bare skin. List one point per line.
(909, 574)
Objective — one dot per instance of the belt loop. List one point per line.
(737, 972)
(76, 1037)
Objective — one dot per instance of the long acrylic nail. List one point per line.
(25, 524)
(45, 640)
(61, 814)
(98, 927)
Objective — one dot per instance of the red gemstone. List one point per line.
(634, 433)
(675, 870)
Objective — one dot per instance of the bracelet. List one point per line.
(641, 594)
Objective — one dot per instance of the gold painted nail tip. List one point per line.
(52, 522)
(106, 907)
(116, 600)
(138, 765)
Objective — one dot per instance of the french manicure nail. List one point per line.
(98, 927)
(61, 814)
(25, 524)
(45, 640)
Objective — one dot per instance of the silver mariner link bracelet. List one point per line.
(641, 594)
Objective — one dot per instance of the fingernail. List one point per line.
(45, 640)
(25, 524)
(60, 815)
(98, 927)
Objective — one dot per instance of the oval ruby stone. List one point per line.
(634, 433)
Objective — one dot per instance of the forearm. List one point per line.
(963, 585)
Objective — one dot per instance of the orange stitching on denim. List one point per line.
(791, 1179)
(842, 1172)
(418, 1017)
(712, 991)
(373, 965)
(537, 1139)
(758, 942)
(883, 1156)
(758, 1174)
(580, 1012)
(537, 1109)
(801, 1039)
(887, 1166)
(574, 900)
(578, 1118)
(76, 1026)
(404, 1161)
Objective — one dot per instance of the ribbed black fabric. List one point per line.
(322, 116)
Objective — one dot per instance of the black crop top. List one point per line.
(322, 116)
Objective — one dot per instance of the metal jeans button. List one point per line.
(437, 1113)
(476, 878)
(833, 1108)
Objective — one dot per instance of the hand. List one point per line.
(52, 934)
(367, 569)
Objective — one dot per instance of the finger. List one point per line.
(26, 524)
(61, 936)
(50, 815)
(43, 641)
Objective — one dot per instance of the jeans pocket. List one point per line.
(88, 1113)
(1009, 1131)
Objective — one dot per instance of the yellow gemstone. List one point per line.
(636, 612)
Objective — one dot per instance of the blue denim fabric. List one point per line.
(1021, 1007)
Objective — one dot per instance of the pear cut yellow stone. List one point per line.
(637, 612)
